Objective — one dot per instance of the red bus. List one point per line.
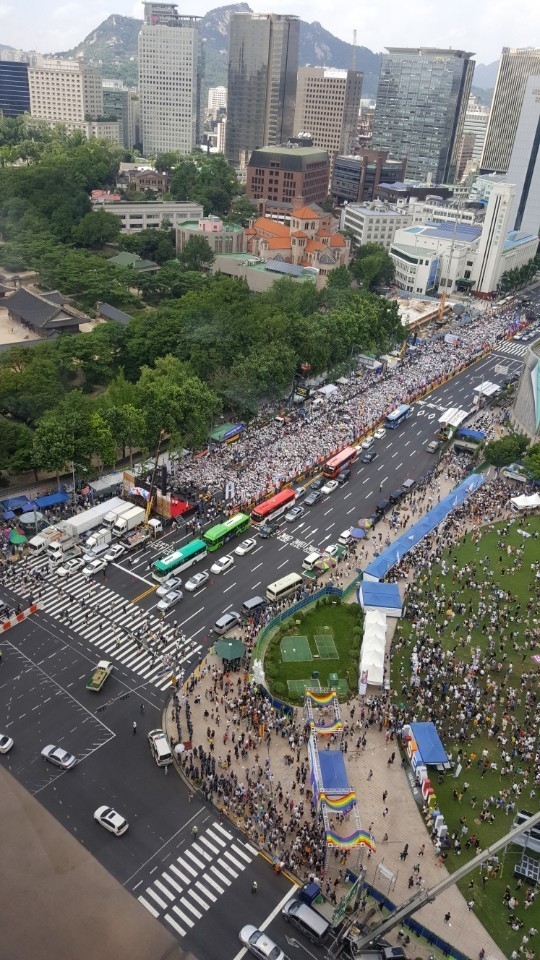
(274, 507)
(338, 463)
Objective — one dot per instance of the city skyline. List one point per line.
(60, 25)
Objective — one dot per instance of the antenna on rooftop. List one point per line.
(353, 58)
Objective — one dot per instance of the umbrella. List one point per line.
(358, 533)
(17, 537)
(229, 649)
(329, 561)
(364, 524)
(322, 565)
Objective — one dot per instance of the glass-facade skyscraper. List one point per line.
(261, 91)
(421, 103)
(14, 89)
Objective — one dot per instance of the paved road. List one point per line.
(43, 697)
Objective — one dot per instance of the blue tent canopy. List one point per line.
(429, 744)
(372, 594)
(9, 515)
(334, 772)
(51, 501)
(16, 503)
(379, 567)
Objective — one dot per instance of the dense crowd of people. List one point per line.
(270, 455)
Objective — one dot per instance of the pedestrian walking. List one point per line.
(142, 708)
(166, 769)
(370, 774)
(254, 887)
(405, 852)
(134, 727)
(447, 917)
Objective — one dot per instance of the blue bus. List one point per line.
(399, 415)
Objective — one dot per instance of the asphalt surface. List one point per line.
(47, 659)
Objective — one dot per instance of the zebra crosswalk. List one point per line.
(513, 348)
(109, 622)
(188, 887)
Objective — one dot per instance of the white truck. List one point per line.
(41, 541)
(99, 675)
(98, 542)
(88, 519)
(137, 538)
(111, 517)
(129, 521)
(63, 548)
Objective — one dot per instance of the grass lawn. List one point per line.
(345, 622)
(502, 672)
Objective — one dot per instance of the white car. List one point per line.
(294, 514)
(245, 547)
(6, 743)
(170, 600)
(58, 756)
(197, 580)
(329, 487)
(260, 944)
(222, 564)
(173, 583)
(94, 566)
(70, 566)
(367, 443)
(380, 433)
(114, 552)
(331, 550)
(111, 820)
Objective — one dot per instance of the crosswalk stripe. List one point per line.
(241, 853)
(149, 907)
(153, 894)
(172, 882)
(195, 859)
(227, 867)
(210, 845)
(176, 925)
(178, 873)
(199, 899)
(204, 891)
(252, 850)
(203, 853)
(189, 906)
(221, 876)
(218, 826)
(187, 920)
(215, 885)
(164, 889)
(187, 867)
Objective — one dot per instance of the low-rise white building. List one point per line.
(374, 222)
(151, 213)
(431, 258)
(445, 211)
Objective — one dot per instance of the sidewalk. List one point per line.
(211, 696)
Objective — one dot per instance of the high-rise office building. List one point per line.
(515, 68)
(524, 167)
(422, 97)
(476, 121)
(170, 72)
(14, 89)
(327, 108)
(261, 90)
(116, 104)
(65, 91)
(487, 264)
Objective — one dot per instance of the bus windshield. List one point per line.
(399, 415)
(274, 507)
(179, 560)
(223, 532)
(338, 462)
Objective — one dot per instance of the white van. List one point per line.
(345, 538)
(160, 747)
(311, 559)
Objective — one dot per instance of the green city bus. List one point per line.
(180, 560)
(216, 536)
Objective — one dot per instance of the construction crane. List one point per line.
(419, 900)
(440, 311)
(153, 496)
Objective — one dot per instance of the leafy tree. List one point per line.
(175, 402)
(372, 266)
(242, 211)
(532, 461)
(157, 245)
(197, 254)
(502, 452)
(340, 278)
(31, 382)
(207, 179)
(16, 445)
(96, 229)
(103, 441)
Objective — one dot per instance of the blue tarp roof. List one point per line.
(334, 772)
(429, 743)
(468, 434)
(15, 503)
(51, 501)
(375, 594)
(379, 567)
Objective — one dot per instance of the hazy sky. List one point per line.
(483, 27)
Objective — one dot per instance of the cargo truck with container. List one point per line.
(111, 517)
(140, 536)
(99, 675)
(129, 521)
(41, 541)
(89, 519)
(60, 550)
(98, 542)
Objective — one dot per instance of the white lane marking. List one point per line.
(149, 907)
(176, 925)
(164, 889)
(229, 588)
(191, 617)
(187, 920)
(154, 895)
(204, 891)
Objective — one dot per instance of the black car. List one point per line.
(369, 456)
(396, 495)
(312, 498)
(343, 477)
(382, 506)
(268, 529)
(317, 483)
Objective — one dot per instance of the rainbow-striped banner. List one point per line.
(323, 699)
(326, 731)
(338, 803)
(357, 839)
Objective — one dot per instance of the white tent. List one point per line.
(373, 647)
(328, 390)
(526, 503)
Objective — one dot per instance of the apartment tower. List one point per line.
(261, 90)
(421, 103)
(327, 108)
(515, 68)
(170, 71)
